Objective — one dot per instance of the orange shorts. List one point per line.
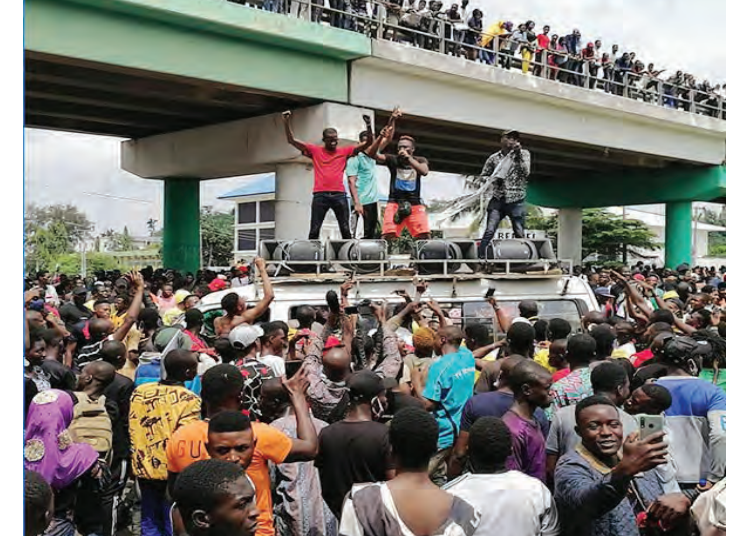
(416, 223)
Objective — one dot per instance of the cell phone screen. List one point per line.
(352, 310)
(291, 367)
(490, 292)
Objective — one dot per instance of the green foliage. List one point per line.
(716, 239)
(51, 231)
(70, 263)
(118, 241)
(217, 237)
(608, 235)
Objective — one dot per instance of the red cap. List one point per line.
(639, 277)
(217, 284)
(332, 342)
(243, 268)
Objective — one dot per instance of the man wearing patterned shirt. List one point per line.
(508, 170)
(581, 351)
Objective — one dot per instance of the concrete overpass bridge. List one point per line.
(198, 85)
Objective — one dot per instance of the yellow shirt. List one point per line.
(542, 356)
(156, 412)
(170, 316)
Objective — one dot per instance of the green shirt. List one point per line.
(364, 167)
(707, 375)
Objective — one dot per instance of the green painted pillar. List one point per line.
(678, 236)
(181, 224)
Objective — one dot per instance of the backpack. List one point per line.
(91, 424)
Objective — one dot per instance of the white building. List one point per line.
(255, 216)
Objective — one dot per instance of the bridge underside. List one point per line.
(95, 98)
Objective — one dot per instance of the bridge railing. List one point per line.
(428, 31)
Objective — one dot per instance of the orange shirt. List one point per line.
(187, 446)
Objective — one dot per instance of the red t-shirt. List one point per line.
(641, 357)
(329, 167)
(543, 41)
(560, 374)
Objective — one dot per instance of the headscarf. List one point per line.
(49, 449)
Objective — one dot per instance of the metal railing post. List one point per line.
(625, 84)
(660, 92)
(496, 50)
(441, 36)
(380, 18)
(544, 71)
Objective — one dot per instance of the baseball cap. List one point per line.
(80, 291)
(180, 295)
(243, 269)
(604, 291)
(364, 385)
(217, 284)
(513, 134)
(332, 342)
(670, 295)
(244, 335)
(639, 277)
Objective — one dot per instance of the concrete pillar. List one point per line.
(181, 224)
(678, 233)
(294, 183)
(569, 234)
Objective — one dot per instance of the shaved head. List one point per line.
(336, 363)
(101, 371)
(114, 352)
(100, 328)
(507, 365)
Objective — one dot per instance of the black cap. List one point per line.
(365, 385)
(512, 134)
(80, 291)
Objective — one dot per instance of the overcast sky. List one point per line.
(84, 170)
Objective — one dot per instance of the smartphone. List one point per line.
(352, 310)
(291, 367)
(490, 292)
(649, 425)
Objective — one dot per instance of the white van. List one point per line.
(462, 297)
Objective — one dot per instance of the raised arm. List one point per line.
(442, 320)
(289, 133)
(502, 317)
(635, 297)
(306, 446)
(134, 310)
(365, 144)
(268, 295)
(373, 150)
(392, 363)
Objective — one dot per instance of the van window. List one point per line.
(464, 313)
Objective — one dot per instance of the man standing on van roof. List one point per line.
(329, 167)
(507, 171)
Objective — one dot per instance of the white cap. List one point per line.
(244, 335)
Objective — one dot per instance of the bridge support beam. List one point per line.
(293, 193)
(181, 225)
(569, 234)
(678, 233)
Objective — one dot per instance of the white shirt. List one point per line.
(511, 503)
(240, 281)
(51, 297)
(277, 364)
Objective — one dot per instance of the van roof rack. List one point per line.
(322, 263)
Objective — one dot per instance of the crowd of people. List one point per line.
(460, 30)
(372, 422)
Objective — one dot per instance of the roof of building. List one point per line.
(255, 185)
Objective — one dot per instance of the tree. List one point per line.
(51, 231)
(716, 239)
(217, 237)
(115, 241)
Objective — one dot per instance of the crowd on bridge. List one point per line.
(367, 420)
(460, 30)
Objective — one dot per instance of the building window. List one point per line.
(247, 239)
(266, 234)
(248, 212)
(266, 211)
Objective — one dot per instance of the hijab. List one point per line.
(49, 449)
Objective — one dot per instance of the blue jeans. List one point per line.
(155, 516)
(497, 210)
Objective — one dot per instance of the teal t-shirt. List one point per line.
(450, 382)
(364, 167)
